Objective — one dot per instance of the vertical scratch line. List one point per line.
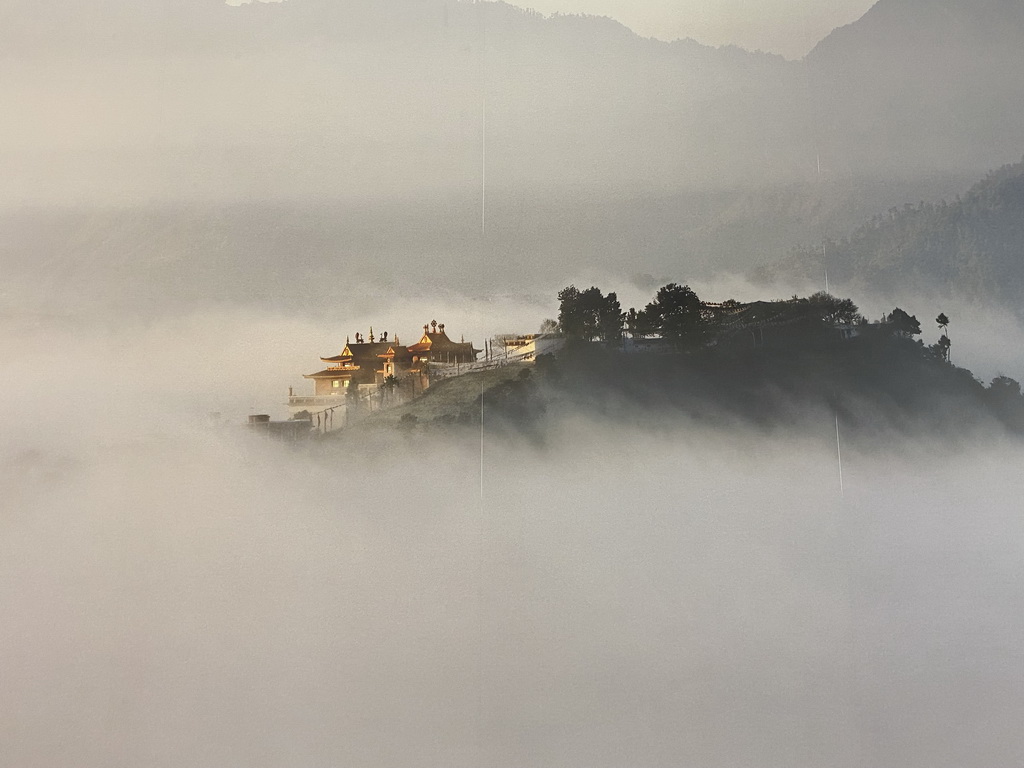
(483, 245)
(480, 515)
(839, 455)
(483, 169)
(481, 444)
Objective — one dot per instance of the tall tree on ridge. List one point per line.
(944, 343)
(676, 313)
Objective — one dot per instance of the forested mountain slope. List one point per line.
(972, 246)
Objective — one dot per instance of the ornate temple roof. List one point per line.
(361, 356)
(366, 351)
(331, 373)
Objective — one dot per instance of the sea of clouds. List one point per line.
(177, 591)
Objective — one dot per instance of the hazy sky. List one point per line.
(789, 27)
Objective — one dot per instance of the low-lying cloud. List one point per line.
(178, 594)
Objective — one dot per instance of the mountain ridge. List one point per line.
(303, 95)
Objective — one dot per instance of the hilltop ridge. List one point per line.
(877, 389)
(768, 366)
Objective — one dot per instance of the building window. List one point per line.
(335, 384)
(347, 382)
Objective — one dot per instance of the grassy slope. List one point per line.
(445, 401)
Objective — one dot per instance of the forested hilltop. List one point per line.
(972, 246)
(779, 365)
(878, 386)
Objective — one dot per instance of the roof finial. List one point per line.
(426, 328)
(346, 341)
(371, 334)
(441, 326)
(396, 338)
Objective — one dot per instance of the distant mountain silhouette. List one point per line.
(318, 97)
(310, 97)
(325, 98)
(269, 148)
(918, 84)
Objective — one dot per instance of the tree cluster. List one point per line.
(589, 315)
(676, 314)
(902, 324)
(835, 311)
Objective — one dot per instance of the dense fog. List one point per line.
(177, 591)
(199, 201)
